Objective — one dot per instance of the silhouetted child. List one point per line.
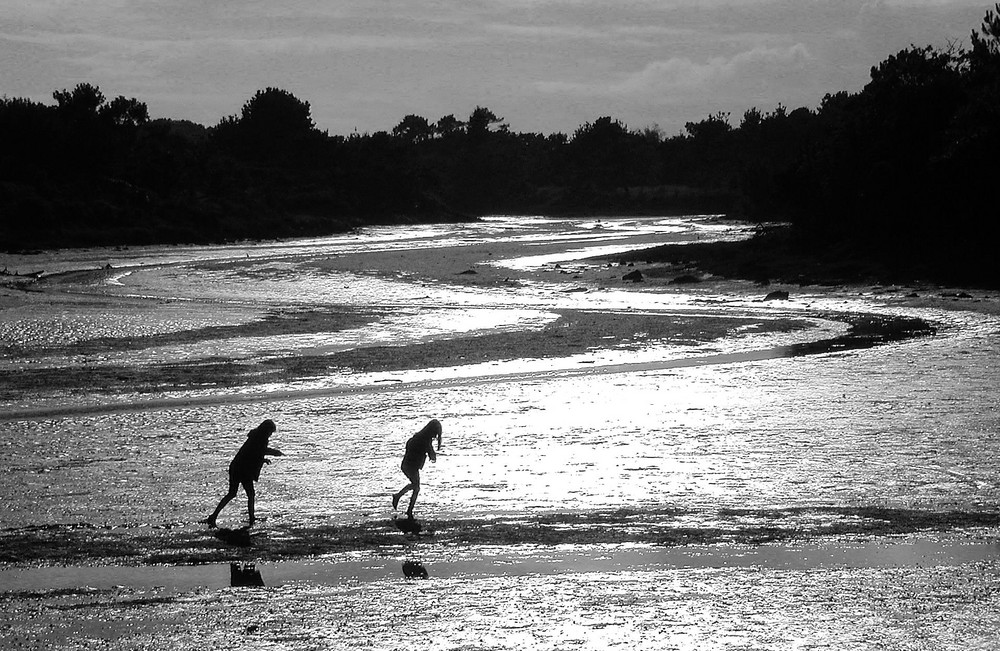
(418, 449)
(245, 468)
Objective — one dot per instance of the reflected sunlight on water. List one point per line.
(687, 490)
(725, 423)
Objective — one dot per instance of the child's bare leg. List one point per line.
(222, 504)
(233, 487)
(414, 476)
(399, 495)
(413, 500)
(251, 494)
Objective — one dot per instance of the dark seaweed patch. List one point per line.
(69, 544)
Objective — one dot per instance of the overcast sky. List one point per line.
(544, 65)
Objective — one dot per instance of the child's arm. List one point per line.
(274, 452)
(430, 452)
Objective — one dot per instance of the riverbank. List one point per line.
(775, 255)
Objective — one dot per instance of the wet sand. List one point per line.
(853, 578)
(840, 594)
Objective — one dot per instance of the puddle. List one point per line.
(437, 563)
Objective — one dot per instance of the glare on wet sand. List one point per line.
(667, 469)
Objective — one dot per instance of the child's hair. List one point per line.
(432, 430)
(265, 429)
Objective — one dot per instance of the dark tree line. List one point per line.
(906, 165)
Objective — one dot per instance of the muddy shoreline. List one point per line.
(823, 491)
(194, 544)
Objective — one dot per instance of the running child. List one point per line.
(245, 468)
(418, 449)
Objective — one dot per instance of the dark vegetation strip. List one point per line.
(274, 323)
(571, 333)
(83, 544)
(783, 254)
(865, 331)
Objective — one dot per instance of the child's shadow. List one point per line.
(237, 537)
(408, 525)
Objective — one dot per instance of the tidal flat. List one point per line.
(653, 464)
